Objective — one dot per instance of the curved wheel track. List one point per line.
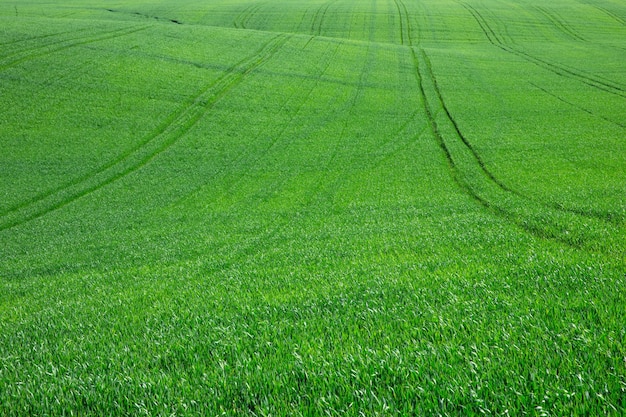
(560, 24)
(318, 18)
(60, 45)
(590, 80)
(158, 141)
(242, 20)
(472, 175)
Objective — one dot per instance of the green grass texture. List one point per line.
(313, 208)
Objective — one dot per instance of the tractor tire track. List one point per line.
(597, 216)
(147, 16)
(251, 161)
(7, 55)
(559, 24)
(364, 74)
(609, 13)
(279, 136)
(168, 133)
(242, 20)
(299, 108)
(586, 213)
(405, 27)
(470, 173)
(494, 39)
(61, 45)
(405, 35)
(606, 119)
(468, 145)
(377, 161)
(318, 18)
(537, 219)
(425, 62)
(299, 27)
(34, 38)
(567, 29)
(430, 110)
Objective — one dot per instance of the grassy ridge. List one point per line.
(307, 208)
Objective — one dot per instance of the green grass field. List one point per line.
(302, 208)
